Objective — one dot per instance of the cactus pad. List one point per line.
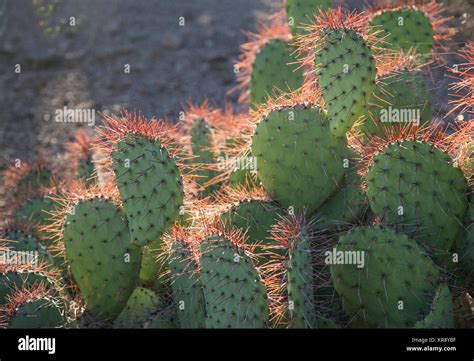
(346, 74)
(395, 286)
(274, 69)
(413, 187)
(408, 102)
(235, 296)
(300, 12)
(150, 185)
(300, 162)
(441, 313)
(103, 263)
(141, 304)
(187, 291)
(407, 28)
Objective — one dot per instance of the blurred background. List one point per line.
(175, 50)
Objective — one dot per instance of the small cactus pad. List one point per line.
(150, 185)
(33, 251)
(32, 180)
(11, 280)
(301, 12)
(407, 28)
(274, 69)
(346, 76)
(43, 312)
(414, 187)
(187, 290)
(235, 296)
(441, 313)
(300, 162)
(152, 265)
(201, 144)
(141, 304)
(301, 285)
(86, 170)
(253, 217)
(346, 206)
(406, 99)
(103, 263)
(394, 285)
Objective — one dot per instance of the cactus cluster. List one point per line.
(304, 209)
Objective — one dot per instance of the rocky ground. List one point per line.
(169, 63)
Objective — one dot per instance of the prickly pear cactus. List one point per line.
(201, 144)
(300, 12)
(12, 279)
(34, 179)
(255, 217)
(86, 170)
(406, 28)
(38, 312)
(441, 313)
(395, 284)
(103, 263)
(21, 241)
(301, 285)
(153, 267)
(348, 205)
(409, 101)
(234, 294)
(300, 162)
(150, 185)
(187, 292)
(346, 74)
(274, 70)
(141, 304)
(413, 186)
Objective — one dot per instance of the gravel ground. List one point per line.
(169, 64)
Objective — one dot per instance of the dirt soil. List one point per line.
(169, 64)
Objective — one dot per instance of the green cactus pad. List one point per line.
(413, 187)
(346, 76)
(11, 280)
(187, 291)
(150, 185)
(301, 285)
(21, 241)
(44, 312)
(33, 180)
(103, 263)
(409, 99)
(300, 162)
(152, 265)
(201, 144)
(300, 12)
(86, 170)
(441, 313)
(165, 318)
(346, 206)
(235, 296)
(273, 69)
(395, 286)
(141, 304)
(407, 28)
(253, 217)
